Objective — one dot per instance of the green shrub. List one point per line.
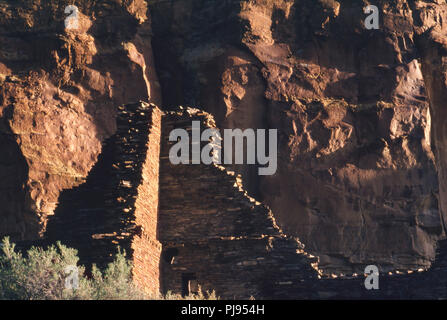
(40, 275)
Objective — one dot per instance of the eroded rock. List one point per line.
(356, 179)
(59, 93)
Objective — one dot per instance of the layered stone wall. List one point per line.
(215, 236)
(117, 205)
(146, 247)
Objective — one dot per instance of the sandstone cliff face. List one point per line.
(356, 178)
(430, 29)
(59, 90)
(359, 112)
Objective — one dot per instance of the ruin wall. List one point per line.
(216, 236)
(117, 204)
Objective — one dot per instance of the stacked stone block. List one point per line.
(117, 205)
(215, 235)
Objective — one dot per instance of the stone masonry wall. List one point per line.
(146, 247)
(216, 236)
(117, 205)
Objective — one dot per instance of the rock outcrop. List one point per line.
(430, 38)
(116, 208)
(59, 90)
(356, 178)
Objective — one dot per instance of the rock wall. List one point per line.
(59, 90)
(430, 29)
(185, 226)
(117, 205)
(216, 236)
(146, 247)
(356, 180)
